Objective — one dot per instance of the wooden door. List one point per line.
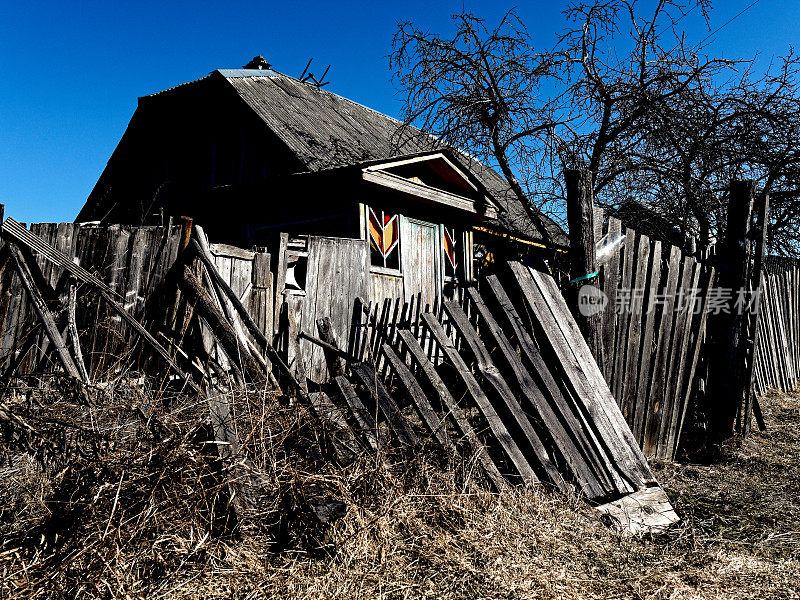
(419, 247)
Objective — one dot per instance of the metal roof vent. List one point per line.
(258, 62)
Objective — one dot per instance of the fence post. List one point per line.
(729, 371)
(760, 237)
(580, 218)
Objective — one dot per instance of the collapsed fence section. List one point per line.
(552, 421)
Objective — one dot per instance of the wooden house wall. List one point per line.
(336, 276)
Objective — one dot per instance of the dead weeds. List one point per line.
(143, 511)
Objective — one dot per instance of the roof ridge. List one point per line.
(180, 85)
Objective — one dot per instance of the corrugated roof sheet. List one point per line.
(232, 73)
(327, 131)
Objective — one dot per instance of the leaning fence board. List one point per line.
(367, 376)
(366, 422)
(544, 301)
(515, 417)
(536, 405)
(575, 418)
(435, 425)
(479, 399)
(450, 407)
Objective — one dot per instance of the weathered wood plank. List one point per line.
(633, 349)
(695, 356)
(451, 407)
(535, 404)
(434, 424)
(624, 316)
(368, 377)
(365, 420)
(658, 377)
(577, 420)
(610, 286)
(507, 406)
(544, 301)
(645, 511)
(498, 428)
(638, 416)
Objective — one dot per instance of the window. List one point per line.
(451, 252)
(384, 239)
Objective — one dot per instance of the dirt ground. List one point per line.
(739, 538)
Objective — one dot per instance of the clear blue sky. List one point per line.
(70, 72)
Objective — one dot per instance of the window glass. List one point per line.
(384, 239)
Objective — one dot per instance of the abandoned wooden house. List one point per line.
(251, 152)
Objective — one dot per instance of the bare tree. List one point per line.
(479, 91)
(623, 93)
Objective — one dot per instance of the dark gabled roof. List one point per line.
(326, 131)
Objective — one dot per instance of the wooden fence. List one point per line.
(653, 331)
(523, 401)
(777, 355)
(132, 261)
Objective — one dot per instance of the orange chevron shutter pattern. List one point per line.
(384, 232)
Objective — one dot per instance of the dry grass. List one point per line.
(165, 531)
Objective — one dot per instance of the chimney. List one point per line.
(258, 62)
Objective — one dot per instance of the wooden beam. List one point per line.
(760, 237)
(424, 192)
(40, 306)
(583, 260)
(728, 369)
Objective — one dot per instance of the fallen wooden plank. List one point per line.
(645, 511)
